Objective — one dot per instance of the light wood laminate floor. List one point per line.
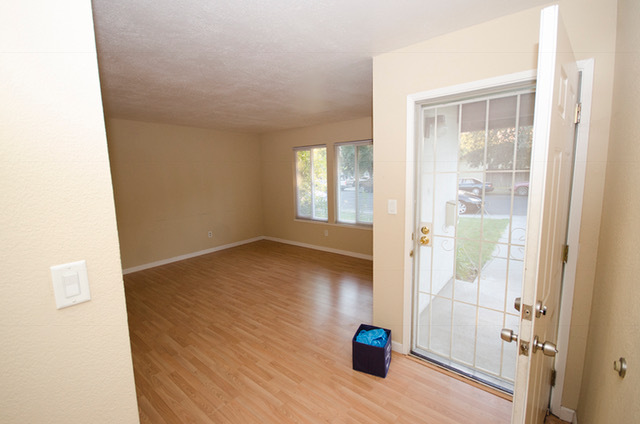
(261, 333)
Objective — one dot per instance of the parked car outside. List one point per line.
(474, 186)
(468, 203)
(522, 188)
(366, 184)
(347, 183)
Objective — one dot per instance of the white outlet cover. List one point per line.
(70, 284)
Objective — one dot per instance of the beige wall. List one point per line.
(499, 47)
(614, 330)
(71, 365)
(278, 187)
(173, 184)
(471, 54)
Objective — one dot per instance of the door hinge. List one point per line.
(578, 114)
(565, 253)
(553, 378)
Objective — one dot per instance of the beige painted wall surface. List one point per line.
(71, 365)
(471, 54)
(173, 184)
(278, 187)
(614, 330)
(499, 47)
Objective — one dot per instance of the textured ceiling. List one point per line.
(261, 65)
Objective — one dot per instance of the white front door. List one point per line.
(552, 155)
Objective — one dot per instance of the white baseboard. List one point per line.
(566, 414)
(397, 347)
(239, 243)
(188, 255)
(322, 248)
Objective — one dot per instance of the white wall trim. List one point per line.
(188, 256)
(239, 243)
(485, 84)
(566, 414)
(573, 237)
(397, 347)
(322, 248)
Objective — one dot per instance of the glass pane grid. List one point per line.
(487, 235)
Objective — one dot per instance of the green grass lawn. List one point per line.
(469, 260)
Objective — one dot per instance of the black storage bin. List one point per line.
(373, 360)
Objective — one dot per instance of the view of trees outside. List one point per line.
(488, 142)
(501, 135)
(355, 183)
(311, 183)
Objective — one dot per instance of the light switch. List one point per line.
(392, 206)
(70, 284)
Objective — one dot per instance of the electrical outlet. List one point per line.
(210, 234)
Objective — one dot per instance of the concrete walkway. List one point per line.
(479, 310)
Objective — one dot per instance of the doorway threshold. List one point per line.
(476, 378)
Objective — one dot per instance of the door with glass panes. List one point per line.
(474, 158)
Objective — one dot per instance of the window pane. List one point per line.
(472, 136)
(303, 183)
(311, 183)
(525, 131)
(346, 180)
(365, 178)
(502, 132)
(446, 138)
(355, 183)
(320, 209)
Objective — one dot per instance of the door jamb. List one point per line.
(573, 239)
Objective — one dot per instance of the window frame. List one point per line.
(337, 191)
(295, 182)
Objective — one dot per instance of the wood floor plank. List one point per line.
(262, 333)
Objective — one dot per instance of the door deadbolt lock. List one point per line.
(509, 336)
(425, 234)
(548, 348)
(540, 309)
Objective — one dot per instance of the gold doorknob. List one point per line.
(425, 230)
(424, 240)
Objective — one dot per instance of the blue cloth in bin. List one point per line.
(377, 337)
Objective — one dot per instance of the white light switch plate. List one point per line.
(70, 284)
(392, 206)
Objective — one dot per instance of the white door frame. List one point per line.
(573, 239)
(577, 195)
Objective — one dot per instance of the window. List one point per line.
(311, 183)
(355, 182)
